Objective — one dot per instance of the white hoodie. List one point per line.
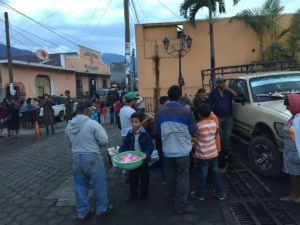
(85, 135)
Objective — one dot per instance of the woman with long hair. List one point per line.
(291, 152)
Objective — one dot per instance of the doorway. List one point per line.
(92, 85)
(42, 85)
(79, 91)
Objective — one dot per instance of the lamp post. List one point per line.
(185, 44)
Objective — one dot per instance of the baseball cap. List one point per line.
(84, 104)
(220, 80)
(130, 96)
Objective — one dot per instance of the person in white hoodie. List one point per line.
(85, 136)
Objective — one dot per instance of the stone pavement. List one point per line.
(36, 188)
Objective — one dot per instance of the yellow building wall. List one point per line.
(99, 82)
(234, 42)
(59, 80)
(87, 60)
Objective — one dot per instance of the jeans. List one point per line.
(162, 164)
(112, 117)
(86, 168)
(211, 166)
(140, 174)
(225, 129)
(177, 177)
(125, 173)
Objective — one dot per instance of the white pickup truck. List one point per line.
(59, 107)
(258, 112)
(259, 115)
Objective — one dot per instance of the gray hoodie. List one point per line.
(85, 136)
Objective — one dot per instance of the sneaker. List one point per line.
(220, 198)
(109, 209)
(87, 216)
(188, 209)
(195, 196)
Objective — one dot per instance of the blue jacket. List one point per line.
(145, 141)
(221, 106)
(175, 124)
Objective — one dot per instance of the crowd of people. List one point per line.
(172, 128)
(15, 114)
(183, 131)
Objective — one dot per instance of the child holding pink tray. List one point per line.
(138, 139)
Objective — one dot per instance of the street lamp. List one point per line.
(185, 44)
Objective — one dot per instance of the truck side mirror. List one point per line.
(239, 99)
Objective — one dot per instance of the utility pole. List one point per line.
(127, 45)
(1, 89)
(133, 68)
(9, 58)
(156, 60)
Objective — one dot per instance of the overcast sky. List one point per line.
(97, 24)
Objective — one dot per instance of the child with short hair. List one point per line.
(138, 139)
(207, 155)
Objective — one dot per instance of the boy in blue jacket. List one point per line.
(138, 139)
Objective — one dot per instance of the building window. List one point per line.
(104, 83)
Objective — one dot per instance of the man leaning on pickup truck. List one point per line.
(220, 100)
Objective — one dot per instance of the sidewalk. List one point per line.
(36, 188)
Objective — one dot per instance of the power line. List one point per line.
(142, 10)
(92, 16)
(23, 36)
(39, 23)
(49, 28)
(43, 25)
(164, 5)
(132, 18)
(47, 17)
(98, 24)
(135, 12)
(49, 42)
(21, 42)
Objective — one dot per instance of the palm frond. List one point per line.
(189, 9)
(235, 2)
(222, 8)
(293, 40)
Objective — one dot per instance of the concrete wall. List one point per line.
(234, 42)
(87, 60)
(60, 80)
(99, 82)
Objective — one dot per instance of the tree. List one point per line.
(265, 21)
(189, 9)
(293, 40)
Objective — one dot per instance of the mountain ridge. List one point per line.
(107, 58)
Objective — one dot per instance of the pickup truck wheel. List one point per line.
(265, 156)
(61, 116)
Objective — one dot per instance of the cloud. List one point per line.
(80, 21)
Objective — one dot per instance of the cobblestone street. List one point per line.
(31, 171)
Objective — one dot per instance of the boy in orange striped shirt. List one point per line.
(207, 155)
